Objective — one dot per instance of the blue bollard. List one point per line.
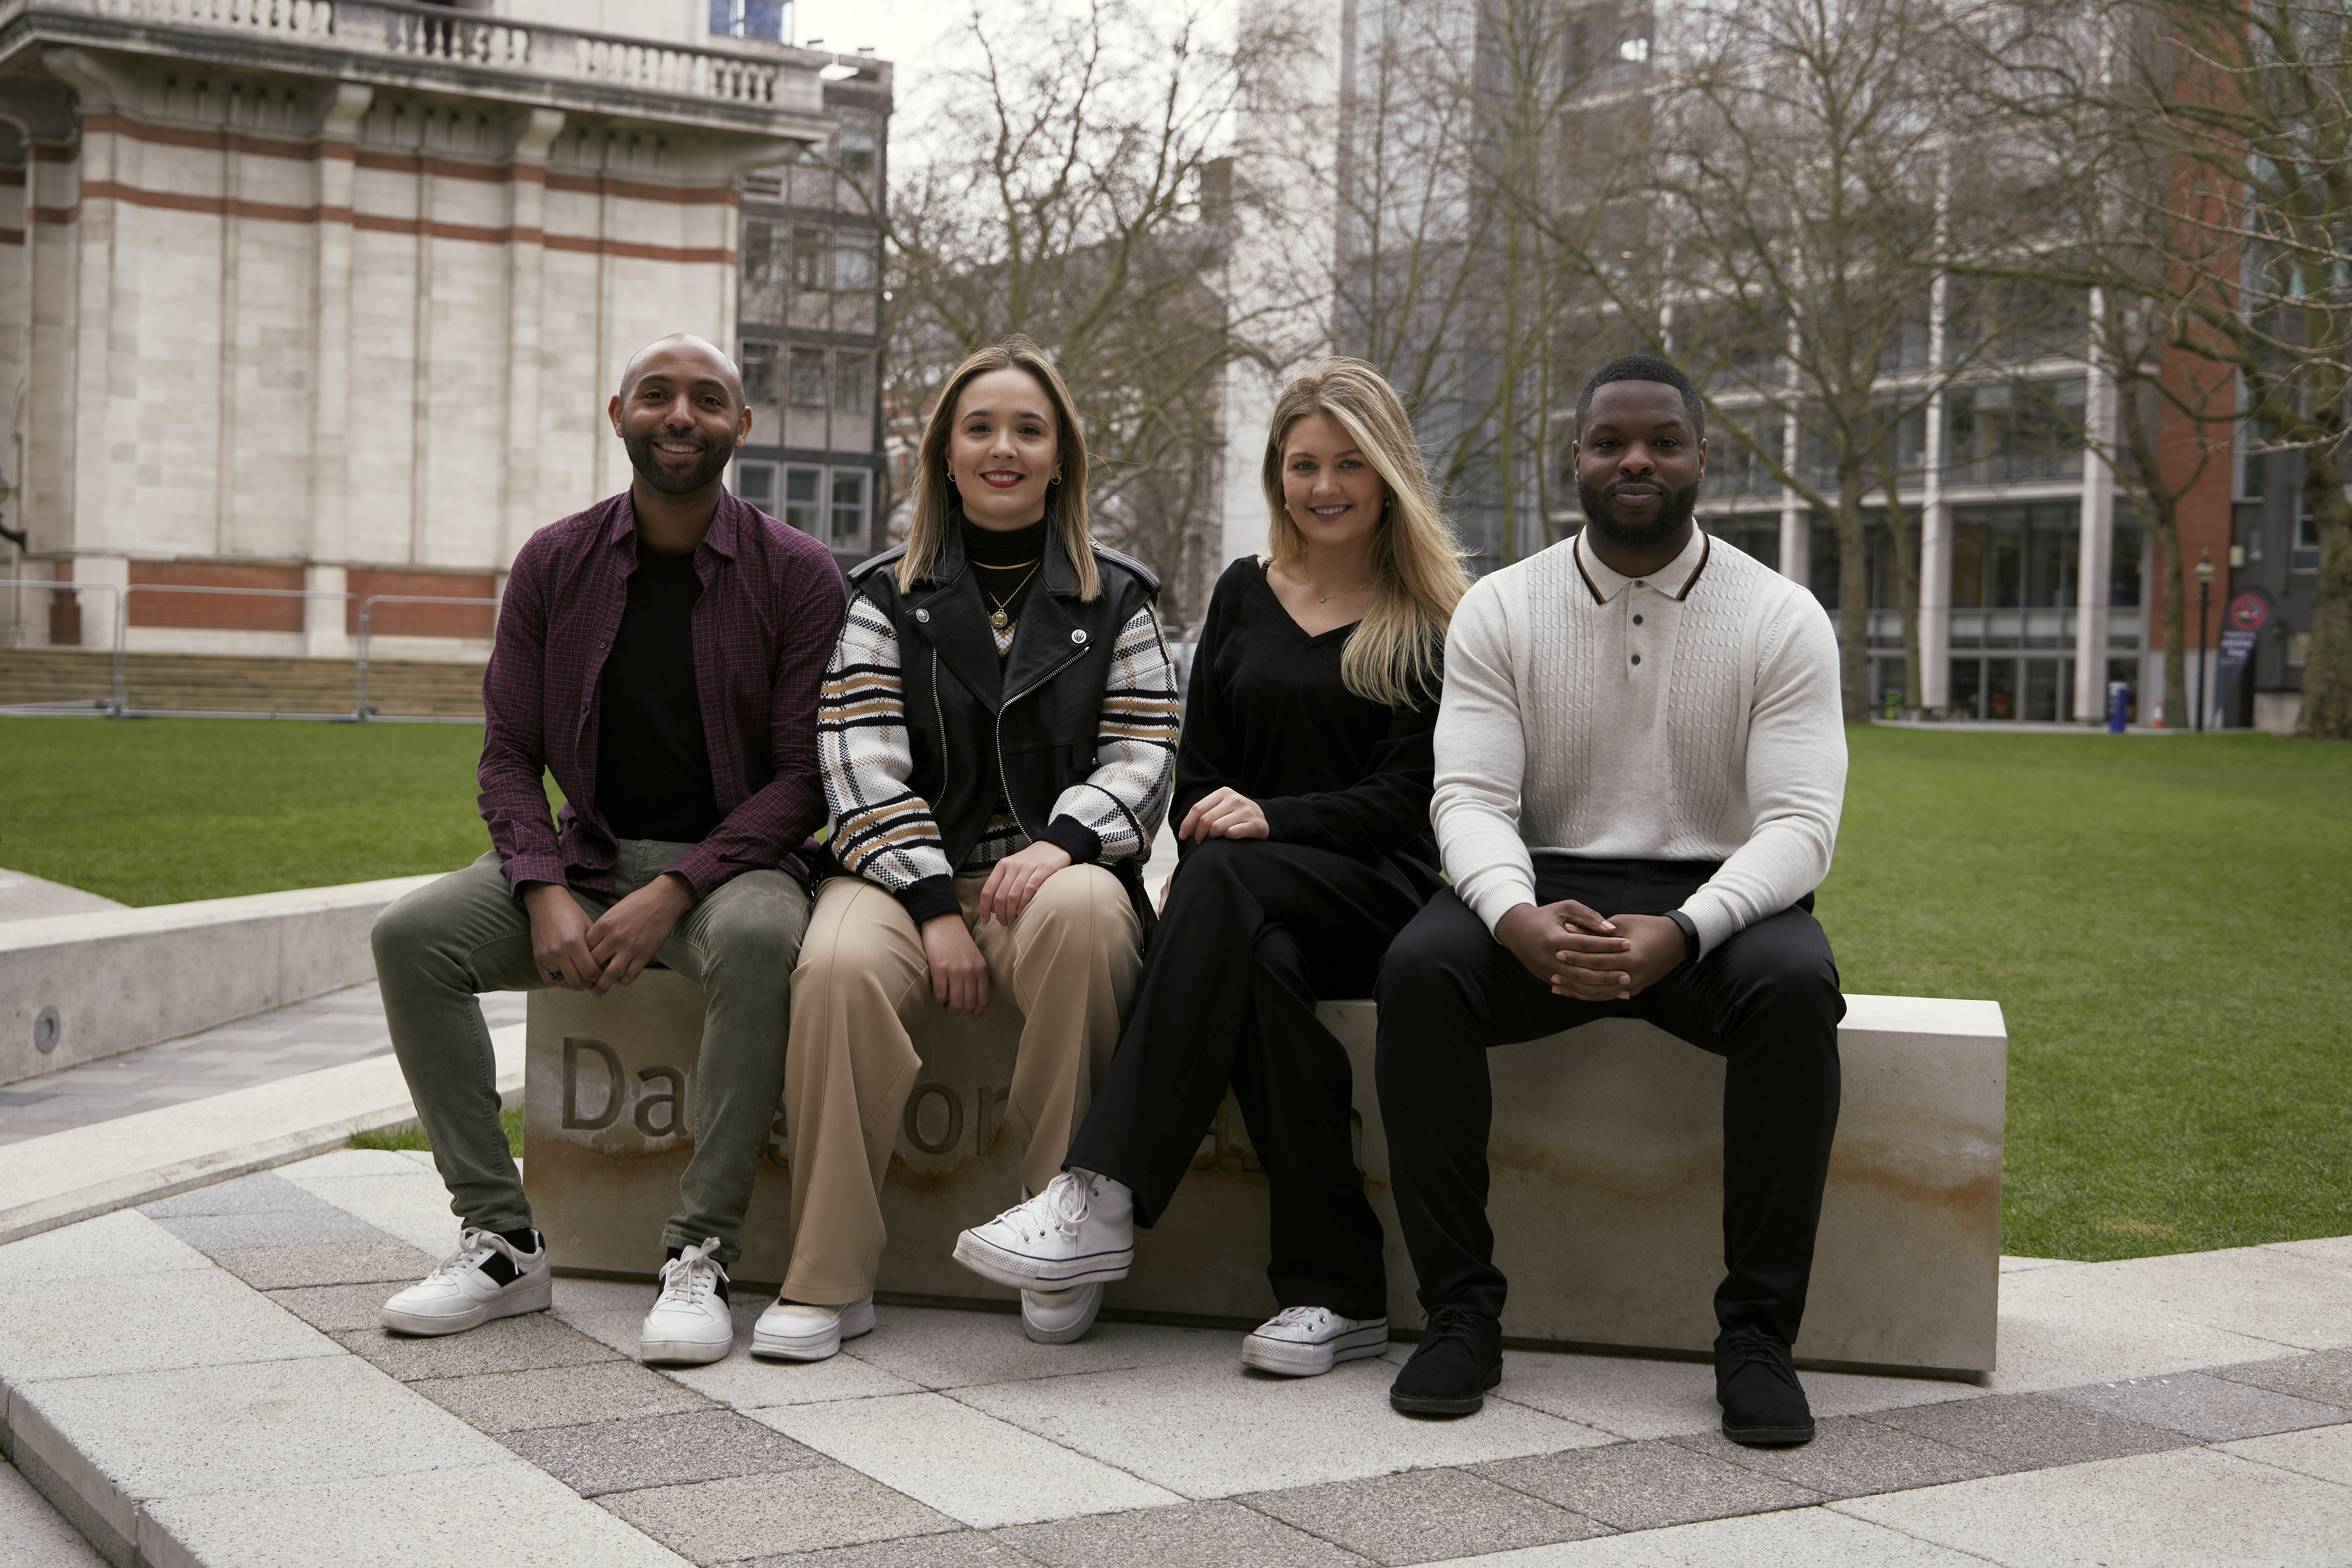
(2118, 705)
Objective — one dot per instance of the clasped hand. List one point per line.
(1589, 957)
(1223, 814)
(959, 972)
(581, 954)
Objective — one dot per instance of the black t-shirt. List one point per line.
(653, 762)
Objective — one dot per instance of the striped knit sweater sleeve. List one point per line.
(1123, 800)
(882, 830)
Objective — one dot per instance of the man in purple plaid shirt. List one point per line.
(660, 654)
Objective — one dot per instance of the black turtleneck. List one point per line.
(1006, 564)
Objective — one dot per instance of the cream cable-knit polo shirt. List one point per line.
(1692, 715)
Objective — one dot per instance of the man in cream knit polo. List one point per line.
(1640, 761)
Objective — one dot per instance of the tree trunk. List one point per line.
(2327, 669)
(1902, 549)
(1854, 599)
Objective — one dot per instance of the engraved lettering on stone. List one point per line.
(615, 1092)
(911, 1120)
(674, 1098)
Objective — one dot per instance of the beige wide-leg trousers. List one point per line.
(862, 990)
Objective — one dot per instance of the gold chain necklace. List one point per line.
(997, 618)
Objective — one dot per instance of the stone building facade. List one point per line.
(327, 296)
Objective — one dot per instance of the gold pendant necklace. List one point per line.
(998, 618)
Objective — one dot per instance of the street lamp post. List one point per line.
(2204, 596)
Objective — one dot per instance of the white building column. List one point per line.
(330, 417)
(1796, 521)
(1935, 531)
(2094, 562)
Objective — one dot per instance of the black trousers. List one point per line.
(1766, 1000)
(1254, 933)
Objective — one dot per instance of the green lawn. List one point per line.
(2164, 920)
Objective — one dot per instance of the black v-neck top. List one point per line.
(1267, 715)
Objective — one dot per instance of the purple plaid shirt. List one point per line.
(771, 605)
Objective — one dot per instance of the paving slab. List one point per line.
(2153, 1510)
(1218, 1430)
(755, 1516)
(532, 1343)
(1192, 1535)
(971, 1467)
(336, 1309)
(1850, 1456)
(36, 1534)
(1646, 1486)
(507, 1511)
(2210, 1409)
(1423, 1516)
(315, 1223)
(148, 1323)
(264, 1191)
(2061, 1327)
(559, 1396)
(1630, 1397)
(964, 1549)
(2324, 1377)
(379, 1261)
(2323, 1453)
(2032, 1431)
(937, 1348)
(659, 1451)
(611, 1313)
(123, 1440)
(122, 1243)
(1812, 1537)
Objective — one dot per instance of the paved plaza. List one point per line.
(221, 1394)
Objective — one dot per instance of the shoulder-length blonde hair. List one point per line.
(936, 503)
(1415, 559)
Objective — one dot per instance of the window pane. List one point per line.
(808, 258)
(849, 506)
(756, 483)
(801, 505)
(857, 145)
(764, 19)
(853, 383)
(808, 378)
(758, 360)
(853, 261)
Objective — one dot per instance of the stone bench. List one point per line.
(1606, 1157)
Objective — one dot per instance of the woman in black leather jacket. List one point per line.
(996, 735)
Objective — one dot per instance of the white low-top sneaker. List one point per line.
(1307, 1342)
(1081, 1229)
(1057, 1317)
(485, 1277)
(689, 1321)
(797, 1332)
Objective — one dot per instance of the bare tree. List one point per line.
(1073, 180)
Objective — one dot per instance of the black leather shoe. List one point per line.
(1755, 1382)
(1460, 1358)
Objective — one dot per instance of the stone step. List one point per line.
(245, 684)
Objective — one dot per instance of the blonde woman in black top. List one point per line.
(1302, 801)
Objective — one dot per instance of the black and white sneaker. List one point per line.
(487, 1276)
(689, 1321)
(1307, 1342)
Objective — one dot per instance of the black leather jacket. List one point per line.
(1038, 711)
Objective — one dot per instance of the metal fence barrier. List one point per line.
(117, 703)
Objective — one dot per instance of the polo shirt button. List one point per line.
(1078, 635)
(1637, 620)
(1637, 658)
(1639, 583)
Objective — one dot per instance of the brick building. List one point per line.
(329, 295)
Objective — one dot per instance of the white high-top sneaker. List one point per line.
(689, 1321)
(485, 1277)
(1055, 1317)
(799, 1332)
(1307, 1342)
(1079, 1230)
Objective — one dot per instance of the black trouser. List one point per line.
(1766, 1000)
(1254, 933)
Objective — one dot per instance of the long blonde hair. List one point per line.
(935, 493)
(1415, 560)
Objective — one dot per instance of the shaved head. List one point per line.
(684, 346)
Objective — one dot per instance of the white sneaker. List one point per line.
(796, 1332)
(689, 1321)
(1307, 1342)
(485, 1277)
(1057, 1317)
(1080, 1228)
